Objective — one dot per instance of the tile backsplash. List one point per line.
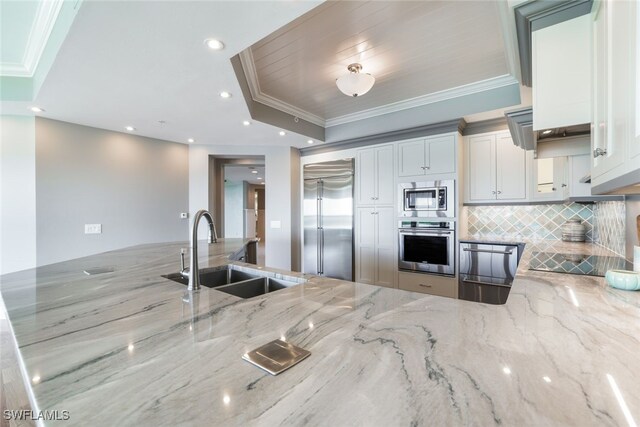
(604, 221)
(610, 226)
(529, 221)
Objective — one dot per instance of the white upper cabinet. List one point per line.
(549, 179)
(561, 72)
(578, 168)
(511, 178)
(430, 156)
(615, 135)
(481, 167)
(496, 169)
(374, 176)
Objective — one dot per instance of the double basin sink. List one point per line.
(235, 282)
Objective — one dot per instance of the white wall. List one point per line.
(17, 193)
(282, 201)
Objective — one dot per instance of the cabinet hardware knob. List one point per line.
(493, 192)
(499, 192)
(553, 188)
(564, 185)
(599, 152)
(428, 167)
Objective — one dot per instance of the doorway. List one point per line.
(238, 198)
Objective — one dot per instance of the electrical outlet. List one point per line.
(184, 215)
(93, 229)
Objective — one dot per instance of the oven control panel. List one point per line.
(448, 225)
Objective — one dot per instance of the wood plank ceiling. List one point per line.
(412, 48)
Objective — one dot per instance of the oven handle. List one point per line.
(427, 233)
(478, 282)
(509, 252)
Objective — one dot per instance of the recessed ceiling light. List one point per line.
(246, 123)
(225, 94)
(130, 128)
(282, 133)
(310, 141)
(190, 140)
(37, 109)
(214, 44)
(547, 132)
(254, 171)
(259, 177)
(263, 183)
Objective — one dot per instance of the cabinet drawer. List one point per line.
(428, 284)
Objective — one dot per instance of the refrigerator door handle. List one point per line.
(321, 225)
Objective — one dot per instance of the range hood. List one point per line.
(566, 140)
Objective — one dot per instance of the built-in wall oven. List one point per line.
(427, 247)
(427, 199)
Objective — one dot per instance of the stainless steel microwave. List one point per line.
(427, 199)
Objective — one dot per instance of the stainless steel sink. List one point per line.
(258, 286)
(235, 282)
(215, 277)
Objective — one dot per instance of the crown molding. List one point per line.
(251, 74)
(509, 38)
(450, 126)
(536, 15)
(41, 28)
(481, 86)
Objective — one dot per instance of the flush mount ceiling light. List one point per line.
(254, 171)
(214, 44)
(246, 123)
(282, 133)
(191, 140)
(547, 132)
(225, 94)
(37, 109)
(355, 83)
(310, 141)
(259, 178)
(129, 128)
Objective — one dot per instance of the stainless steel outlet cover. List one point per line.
(276, 356)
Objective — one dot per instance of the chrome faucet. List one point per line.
(194, 273)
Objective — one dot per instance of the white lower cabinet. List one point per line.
(428, 284)
(375, 245)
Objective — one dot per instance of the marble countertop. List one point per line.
(132, 348)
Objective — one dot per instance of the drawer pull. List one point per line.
(509, 252)
(423, 285)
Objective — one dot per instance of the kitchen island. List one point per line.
(130, 347)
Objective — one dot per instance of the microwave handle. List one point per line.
(509, 252)
(426, 233)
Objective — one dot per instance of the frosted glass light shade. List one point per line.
(355, 84)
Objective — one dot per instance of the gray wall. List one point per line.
(135, 187)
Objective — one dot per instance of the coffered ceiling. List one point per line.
(418, 51)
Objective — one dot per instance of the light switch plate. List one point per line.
(276, 224)
(93, 229)
(184, 215)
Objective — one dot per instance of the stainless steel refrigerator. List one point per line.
(328, 219)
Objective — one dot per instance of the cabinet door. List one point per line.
(607, 105)
(481, 167)
(384, 179)
(579, 166)
(386, 234)
(411, 158)
(365, 245)
(634, 107)
(366, 177)
(548, 176)
(511, 172)
(441, 155)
